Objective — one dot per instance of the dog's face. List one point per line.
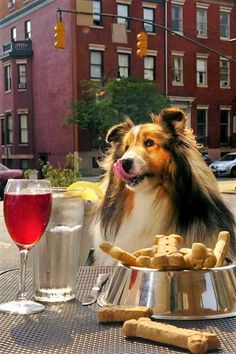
(141, 154)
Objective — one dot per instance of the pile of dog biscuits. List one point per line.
(167, 253)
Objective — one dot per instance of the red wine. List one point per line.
(26, 217)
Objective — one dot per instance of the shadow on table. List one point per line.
(59, 326)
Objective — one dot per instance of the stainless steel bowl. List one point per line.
(175, 295)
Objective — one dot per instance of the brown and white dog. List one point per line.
(156, 182)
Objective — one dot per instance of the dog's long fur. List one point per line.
(163, 187)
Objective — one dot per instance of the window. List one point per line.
(23, 124)
(123, 10)
(149, 68)
(97, 8)
(7, 71)
(224, 25)
(21, 76)
(124, 64)
(202, 22)
(148, 14)
(13, 34)
(201, 71)
(177, 18)
(224, 73)
(224, 127)
(9, 129)
(202, 115)
(27, 29)
(2, 130)
(177, 69)
(24, 164)
(96, 64)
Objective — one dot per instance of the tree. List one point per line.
(104, 104)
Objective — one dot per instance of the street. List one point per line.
(9, 253)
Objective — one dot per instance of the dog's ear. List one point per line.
(172, 119)
(114, 133)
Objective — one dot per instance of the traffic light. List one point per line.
(60, 35)
(142, 39)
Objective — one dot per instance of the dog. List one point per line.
(156, 182)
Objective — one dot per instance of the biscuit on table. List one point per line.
(112, 313)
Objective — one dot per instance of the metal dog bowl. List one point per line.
(175, 295)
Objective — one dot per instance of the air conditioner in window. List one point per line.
(11, 4)
(22, 86)
(201, 32)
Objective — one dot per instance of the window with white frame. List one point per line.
(7, 72)
(149, 15)
(177, 18)
(23, 124)
(96, 65)
(201, 71)
(177, 69)
(123, 10)
(202, 118)
(97, 8)
(21, 76)
(124, 64)
(149, 68)
(224, 72)
(13, 34)
(201, 22)
(28, 29)
(224, 126)
(224, 24)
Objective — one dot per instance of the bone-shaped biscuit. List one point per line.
(221, 247)
(195, 341)
(118, 253)
(112, 313)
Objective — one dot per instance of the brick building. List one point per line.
(194, 64)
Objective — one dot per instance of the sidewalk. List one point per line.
(227, 186)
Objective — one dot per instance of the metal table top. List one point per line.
(72, 328)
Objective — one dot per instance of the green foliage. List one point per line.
(61, 177)
(103, 106)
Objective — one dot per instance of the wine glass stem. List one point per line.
(23, 265)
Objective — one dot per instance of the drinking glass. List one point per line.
(27, 209)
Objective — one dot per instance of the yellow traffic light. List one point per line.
(60, 35)
(142, 39)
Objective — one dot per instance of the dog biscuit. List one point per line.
(122, 313)
(118, 253)
(195, 341)
(168, 244)
(159, 261)
(221, 247)
(196, 257)
(210, 260)
(150, 251)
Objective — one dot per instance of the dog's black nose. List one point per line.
(127, 164)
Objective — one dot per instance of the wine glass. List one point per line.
(27, 209)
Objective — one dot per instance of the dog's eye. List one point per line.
(148, 142)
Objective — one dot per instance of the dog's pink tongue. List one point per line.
(121, 173)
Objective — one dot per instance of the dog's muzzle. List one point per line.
(123, 169)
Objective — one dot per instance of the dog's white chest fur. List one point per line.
(148, 217)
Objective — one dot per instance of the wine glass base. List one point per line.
(21, 307)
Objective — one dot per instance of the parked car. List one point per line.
(8, 173)
(207, 159)
(226, 166)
